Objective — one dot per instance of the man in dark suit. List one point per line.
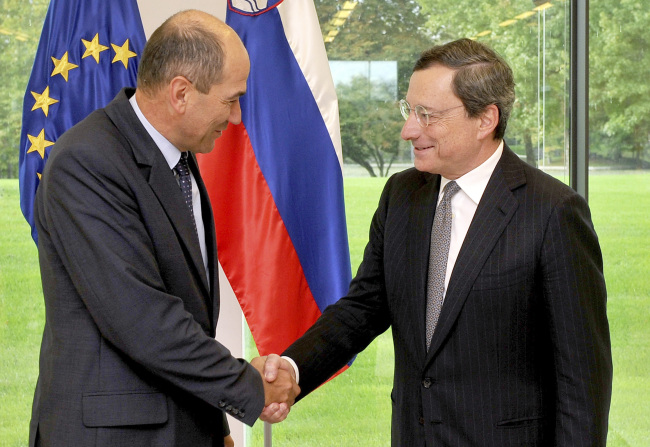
(500, 334)
(128, 260)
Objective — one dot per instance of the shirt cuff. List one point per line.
(295, 367)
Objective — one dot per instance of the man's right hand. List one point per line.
(280, 387)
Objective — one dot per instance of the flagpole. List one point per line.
(268, 437)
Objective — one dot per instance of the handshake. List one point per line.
(280, 387)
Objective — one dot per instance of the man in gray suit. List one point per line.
(498, 317)
(129, 265)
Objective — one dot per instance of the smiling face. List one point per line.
(452, 144)
(207, 114)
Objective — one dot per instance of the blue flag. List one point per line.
(89, 50)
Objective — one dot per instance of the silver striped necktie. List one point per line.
(438, 254)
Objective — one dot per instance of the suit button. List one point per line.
(421, 421)
(229, 408)
(222, 404)
(235, 411)
(242, 414)
(427, 382)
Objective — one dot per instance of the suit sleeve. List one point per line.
(94, 224)
(348, 326)
(575, 296)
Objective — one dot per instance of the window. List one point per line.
(535, 37)
(372, 46)
(619, 196)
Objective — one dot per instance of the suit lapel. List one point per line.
(421, 212)
(493, 214)
(161, 179)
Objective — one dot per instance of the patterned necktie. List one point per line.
(185, 182)
(438, 254)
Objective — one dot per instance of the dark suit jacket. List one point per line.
(521, 354)
(128, 356)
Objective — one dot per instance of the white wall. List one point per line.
(154, 12)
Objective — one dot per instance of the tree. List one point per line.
(619, 63)
(20, 29)
(376, 30)
(370, 128)
(533, 42)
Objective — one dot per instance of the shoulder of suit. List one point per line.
(402, 185)
(94, 143)
(94, 136)
(411, 176)
(545, 186)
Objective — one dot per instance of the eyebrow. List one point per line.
(428, 108)
(239, 94)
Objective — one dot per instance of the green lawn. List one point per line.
(21, 318)
(354, 408)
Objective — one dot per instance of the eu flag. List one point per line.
(88, 51)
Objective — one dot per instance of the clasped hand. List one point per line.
(280, 387)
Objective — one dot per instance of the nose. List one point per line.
(235, 113)
(411, 129)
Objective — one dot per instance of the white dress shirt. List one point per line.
(172, 155)
(464, 204)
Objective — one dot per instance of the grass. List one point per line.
(354, 408)
(620, 205)
(21, 318)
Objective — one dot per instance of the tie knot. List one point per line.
(451, 188)
(182, 167)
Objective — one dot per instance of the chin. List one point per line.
(424, 165)
(206, 150)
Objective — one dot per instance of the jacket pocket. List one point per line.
(520, 422)
(124, 408)
(502, 279)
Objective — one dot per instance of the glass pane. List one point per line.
(372, 46)
(533, 37)
(20, 29)
(619, 195)
(21, 297)
(353, 408)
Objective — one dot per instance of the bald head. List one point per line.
(192, 44)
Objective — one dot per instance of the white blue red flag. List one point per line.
(88, 51)
(275, 180)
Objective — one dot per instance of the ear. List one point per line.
(489, 120)
(179, 92)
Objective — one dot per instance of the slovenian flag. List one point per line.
(275, 180)
(88, 51)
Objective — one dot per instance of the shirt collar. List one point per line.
(170, 152)
(475, 181)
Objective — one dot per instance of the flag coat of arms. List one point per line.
(88, 51)
(275, 180)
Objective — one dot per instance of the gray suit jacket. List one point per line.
(521, 354)
(128, 354)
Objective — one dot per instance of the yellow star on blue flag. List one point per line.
(43, 101)
(123, 54)
(93, 48)
(74, 30)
